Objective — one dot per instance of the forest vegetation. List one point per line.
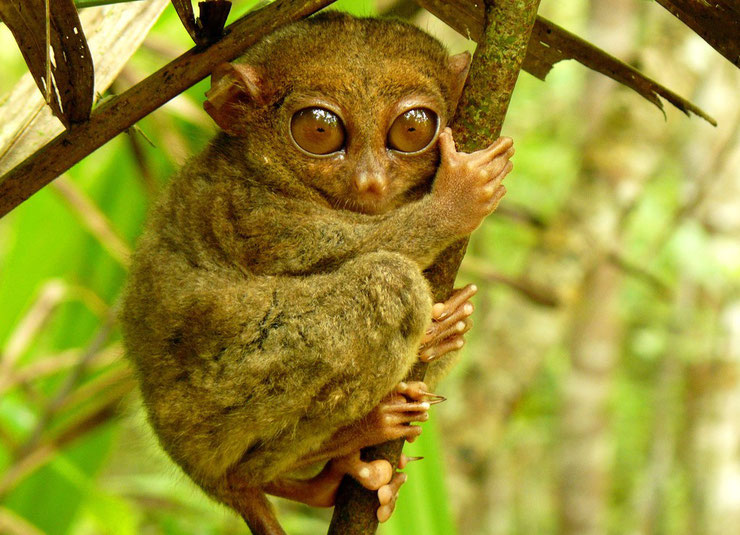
(598, 393)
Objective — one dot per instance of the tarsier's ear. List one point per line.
(232, 86)
(459, 65)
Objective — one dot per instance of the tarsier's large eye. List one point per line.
(317, 130)
(412, 130)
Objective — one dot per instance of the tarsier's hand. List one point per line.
(468, 186)
(450, 321)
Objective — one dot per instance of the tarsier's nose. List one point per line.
(371, 182)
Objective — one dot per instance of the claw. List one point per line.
(435, 397)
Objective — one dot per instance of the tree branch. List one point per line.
(717, 22)
(549, 43)
(480, 114)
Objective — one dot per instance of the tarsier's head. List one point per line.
(352, 107)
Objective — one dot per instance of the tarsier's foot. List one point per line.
(450, 321)
(372, 475)
(321, 490)
(382, 472)
(392, 418)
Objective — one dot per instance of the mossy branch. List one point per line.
(478, 121)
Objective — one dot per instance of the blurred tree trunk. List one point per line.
(651, 501)
(595, 332)
(713, 388)
(585, 450)
(713, 333)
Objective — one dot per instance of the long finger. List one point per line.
(496, 171)
(419, 391)
(454, 302)
(497, 148)
(446, 143)
(445, 331)
(448, 320)
(439, 330)
(406, 412)
(405, 460)
(499, 173)
(452, 344)
(496, 199)
(412, 389)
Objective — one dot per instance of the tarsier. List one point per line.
(276, 299)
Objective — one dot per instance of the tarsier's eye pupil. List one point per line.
(412, 130)
(317, 130)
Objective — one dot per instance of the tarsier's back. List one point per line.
(277, 295)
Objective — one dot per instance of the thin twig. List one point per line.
(65, 390)
(12, 523)
(93, 219)
(661, 288)
(51, 294)
(42, 452)
(525, 287)
(47, 25)
(705, 183)
(52, 364)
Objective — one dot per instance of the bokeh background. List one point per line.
(599, 392)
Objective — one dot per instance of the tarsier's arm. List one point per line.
(467, 188)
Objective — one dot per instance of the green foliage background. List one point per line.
(77, 458)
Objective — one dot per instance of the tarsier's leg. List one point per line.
(251, 503)
(299, 326)
(390, 420)
(450, 321)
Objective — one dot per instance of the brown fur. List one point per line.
(264, 311)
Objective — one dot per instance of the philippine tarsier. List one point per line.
(276, 299)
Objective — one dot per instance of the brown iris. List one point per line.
(317, 130)
(412, 130)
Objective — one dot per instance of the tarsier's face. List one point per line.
(352, 109)
(367, 157)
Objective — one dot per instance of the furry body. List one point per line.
(268, 304)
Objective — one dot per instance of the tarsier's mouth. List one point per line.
(372, 204)
(363, 203)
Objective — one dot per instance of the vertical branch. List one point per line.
(480, 114)
(485, 99)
